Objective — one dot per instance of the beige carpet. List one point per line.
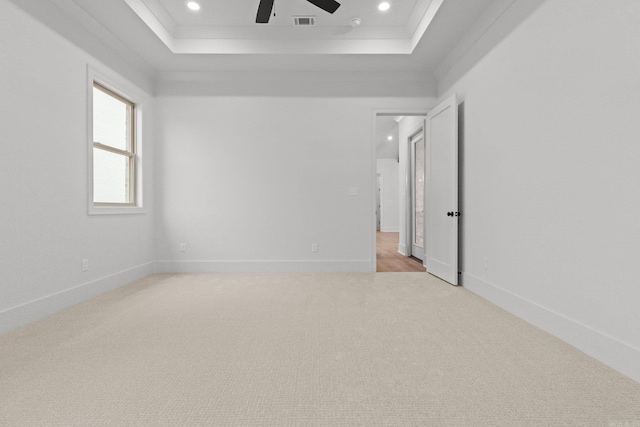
(389, 349)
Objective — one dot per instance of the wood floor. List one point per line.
(388, 258)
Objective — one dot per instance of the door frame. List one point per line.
(379, 199)
(384, 112)
(410, 208)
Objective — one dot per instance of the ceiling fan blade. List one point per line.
(264, 11)
(327, 5)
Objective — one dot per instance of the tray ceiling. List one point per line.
(228, 27)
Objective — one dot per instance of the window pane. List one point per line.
(111, 121)
(110, 177)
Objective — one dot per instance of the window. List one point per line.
(114, 149)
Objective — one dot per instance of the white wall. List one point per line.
(550, 149)
(387, 126)
(249, 183)
(389, 203)
(45, 230)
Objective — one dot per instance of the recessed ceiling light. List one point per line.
(385, 5)
(193, 5)
(389, 138)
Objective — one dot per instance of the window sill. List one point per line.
(116, 210)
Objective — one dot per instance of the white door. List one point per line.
(417, 195)
(442, 191)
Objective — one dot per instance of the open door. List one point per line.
(442, 191)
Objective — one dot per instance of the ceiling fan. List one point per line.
(265, 7)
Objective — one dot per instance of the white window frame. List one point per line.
(124, 90)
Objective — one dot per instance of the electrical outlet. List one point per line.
(485, 263)
(314, 247)
(85, 265)
(183, 247)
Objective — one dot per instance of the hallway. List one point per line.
(388, 257)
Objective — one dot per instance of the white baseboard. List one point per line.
(23, 314)
(389, 229)
(608, 350)
(353, 266)
(402, 249)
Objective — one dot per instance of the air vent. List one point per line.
(304, 21)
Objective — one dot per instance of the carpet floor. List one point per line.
(387, 349)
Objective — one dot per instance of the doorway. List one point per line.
(394, 166)
(439, 146)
